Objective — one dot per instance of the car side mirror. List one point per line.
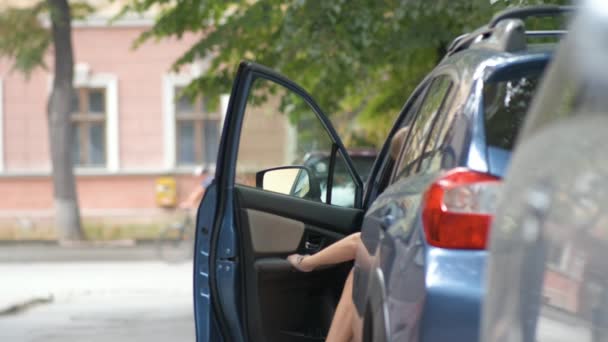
(297, 181)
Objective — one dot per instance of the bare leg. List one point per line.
(340, 251)
(341, 329)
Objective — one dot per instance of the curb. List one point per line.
(32, 252)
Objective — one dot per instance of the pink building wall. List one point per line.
(140, 98)
(25, 185)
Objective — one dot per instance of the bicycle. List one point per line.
(175, 242)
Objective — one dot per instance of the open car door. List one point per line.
(284, 184)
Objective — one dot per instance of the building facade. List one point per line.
(130, 128)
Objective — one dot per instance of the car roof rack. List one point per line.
(506, 31)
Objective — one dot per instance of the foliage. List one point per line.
(25, 35)
(358, 58)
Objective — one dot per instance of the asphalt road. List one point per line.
(97, 301)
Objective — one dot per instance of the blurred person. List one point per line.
(194, 198)
(344, 250)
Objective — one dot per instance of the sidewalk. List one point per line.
(23, 252)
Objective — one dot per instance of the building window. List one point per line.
(89, 126)
(197, 131)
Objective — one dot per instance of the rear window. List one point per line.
(506, 98)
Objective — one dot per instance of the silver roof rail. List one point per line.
(508, 35)
(506, 31)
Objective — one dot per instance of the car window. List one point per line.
(343, 188)
(363, 165)
(506, 98)
(422, 126)
(397, 140)
(281, 129)
(567, 94)
(434, 157)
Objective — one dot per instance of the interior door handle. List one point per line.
(311, 246)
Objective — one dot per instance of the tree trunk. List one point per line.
(67, 214)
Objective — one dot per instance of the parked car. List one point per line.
(419, 274)
(425, 214)
(547, 271)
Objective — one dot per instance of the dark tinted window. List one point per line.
(343, 189)
(397, 141)
(506, 99)
(423, 126)
(363, 165)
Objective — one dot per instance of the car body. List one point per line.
(547, 275)
(245, 290)
(408, 287)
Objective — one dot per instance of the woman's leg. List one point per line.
(341, 329)
(340, 251)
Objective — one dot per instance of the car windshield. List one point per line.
(506, 98)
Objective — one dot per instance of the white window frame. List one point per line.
(109, 82)
(85, 79)
(170, 82)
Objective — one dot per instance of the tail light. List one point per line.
(458, 209)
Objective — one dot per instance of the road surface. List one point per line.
(97, 301)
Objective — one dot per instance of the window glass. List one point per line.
(422, 126)
(88, 127)
(96, 144)
(75, 144)
(506, 99)
(185, 142)
(432, 159)
(363, 164)
(197, 130)
(343, 189)
(281, 129)
(183, 104)
(397, 142)
(97, 101)
(75, 101)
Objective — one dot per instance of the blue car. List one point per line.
(419, 274)
(423, 212)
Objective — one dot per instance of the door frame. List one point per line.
(225, 241)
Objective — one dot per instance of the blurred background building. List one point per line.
(130, 127)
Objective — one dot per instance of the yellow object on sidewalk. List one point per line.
(166, 192)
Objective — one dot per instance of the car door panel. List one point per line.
(272, 233)
(287, 304)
